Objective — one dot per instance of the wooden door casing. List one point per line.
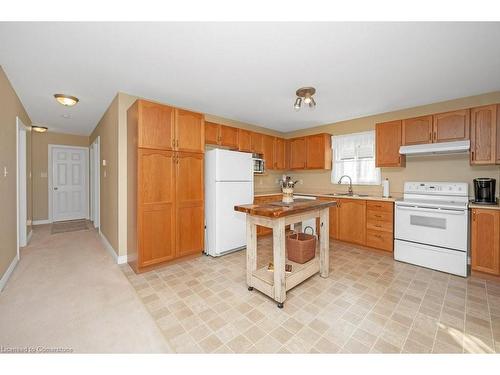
(189, 131)
(156, 206)
(189, 204)
(388, 137)
(485, 241)
(451, 126)
(417, 130)
(155, 126)
(483, 134)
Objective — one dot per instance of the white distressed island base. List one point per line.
(277, 216)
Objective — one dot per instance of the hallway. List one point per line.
(67, 292)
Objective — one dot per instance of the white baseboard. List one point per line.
(40, 222)
(8, 272)
(119, 259)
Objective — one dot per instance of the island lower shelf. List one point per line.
(263, 279)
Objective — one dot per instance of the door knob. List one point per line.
(55, 188)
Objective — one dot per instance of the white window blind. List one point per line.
(354, 155)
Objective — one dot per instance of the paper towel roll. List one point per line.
(385, 188)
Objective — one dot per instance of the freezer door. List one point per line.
(233, 166)
(231, 225)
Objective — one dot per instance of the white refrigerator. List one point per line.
(228, 182)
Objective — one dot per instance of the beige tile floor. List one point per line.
(67, 292)
(369, 304)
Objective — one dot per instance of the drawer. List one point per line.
(379, 206)
(379, 240)
(378, 225)
(379, 215)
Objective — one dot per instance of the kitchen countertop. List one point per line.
(485, 206)
(362, 197)
(276, 210)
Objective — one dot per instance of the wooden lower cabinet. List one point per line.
(485, 241)
(380, 225)
(352, 221)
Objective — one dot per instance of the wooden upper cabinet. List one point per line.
(279, 153)
(189, 131)
(257, 143)
(451, 126)
(155, 125)
(211, 133)
(244, 140)
(318, 151)
(189, 204)
(228, 136)
(155, 206)
(387, 143)
(268, 154)
(298, 153)
(485, 241)
(352, 223)
(483, 132)
(417, 130)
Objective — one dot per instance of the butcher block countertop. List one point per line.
(337, 196)
(485, 206)
(279, 209)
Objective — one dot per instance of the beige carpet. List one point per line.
(69, 226)
(67, 292)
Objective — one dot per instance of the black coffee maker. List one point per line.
(484, 190)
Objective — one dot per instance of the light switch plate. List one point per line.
(104, 162)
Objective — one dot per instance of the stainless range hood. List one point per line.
(436, 148)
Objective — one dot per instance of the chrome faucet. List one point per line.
(350, 183)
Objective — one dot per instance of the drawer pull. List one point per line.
(378, 226)
(378, 215)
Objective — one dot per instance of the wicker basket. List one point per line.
(301, 247)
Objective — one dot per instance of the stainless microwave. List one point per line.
(258, 164)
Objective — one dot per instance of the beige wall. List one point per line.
(10, 107)
(107, 130)
(40, 154)
(423, 168)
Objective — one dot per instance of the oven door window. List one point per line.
(427, 221)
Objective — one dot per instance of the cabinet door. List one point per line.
(268, 151)
(279, 154)
(257, 142)
(352, 221)
(211, 133)
(190, 204)
(451, 126)
(156, 126)
(485, 241)
(189, 131)
(318, 151)
(483, 133)
(334, 222)
(244, 140)
(387, 143)
(228, 137)
(417, 130)
(156, 206)
(298, 153)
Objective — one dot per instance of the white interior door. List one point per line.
(69, 183)
(22, 197)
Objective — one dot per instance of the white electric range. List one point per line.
(432, 226)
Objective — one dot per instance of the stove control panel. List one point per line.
(437, 188)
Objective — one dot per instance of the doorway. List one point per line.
(68, 183)
(22, 197)
(95, 162)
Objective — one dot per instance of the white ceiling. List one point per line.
(247, 71)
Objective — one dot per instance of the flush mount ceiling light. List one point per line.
(304, 94)
(39, 129)
(66, 100)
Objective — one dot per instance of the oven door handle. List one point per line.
(445, 211)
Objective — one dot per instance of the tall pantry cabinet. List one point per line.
(165, 147)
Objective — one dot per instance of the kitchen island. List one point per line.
(277, 215)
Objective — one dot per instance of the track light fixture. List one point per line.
(305, 94)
